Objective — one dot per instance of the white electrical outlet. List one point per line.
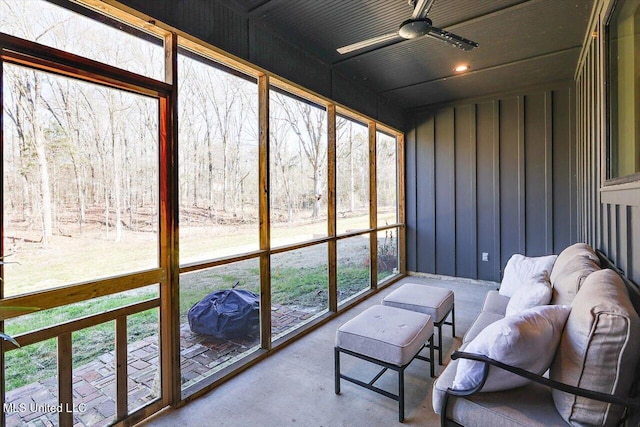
(485, 256)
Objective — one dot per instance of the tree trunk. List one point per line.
(45, 191)
(225, 179)
(41, 156)
(117, 187)
(210, 171)
(317, 197)
(352, 178)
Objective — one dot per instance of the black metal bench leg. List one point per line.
(401, 395)
(431, 357)
(440, 344)
(385, 365)
(453, 321)
(337, 369)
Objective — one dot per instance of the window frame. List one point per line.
(626, 182)
(622, 190)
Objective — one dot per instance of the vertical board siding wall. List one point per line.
(497, 176)
(611, 224)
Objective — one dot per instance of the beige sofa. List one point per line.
(594, 369)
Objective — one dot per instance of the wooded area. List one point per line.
(81, 160)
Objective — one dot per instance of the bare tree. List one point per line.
(353, 162)
(308, 122)
(283, 164)
(27, 116)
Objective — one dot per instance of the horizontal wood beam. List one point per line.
(194, 266)
(44, 58)
(43, 300)
(85, 322)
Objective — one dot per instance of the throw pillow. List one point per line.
(520, 269)
(527, 340)
(535, 292)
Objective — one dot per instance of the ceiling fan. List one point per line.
(416, 26)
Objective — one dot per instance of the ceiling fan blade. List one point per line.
(368, 42)
(422, 8)
(454, 39)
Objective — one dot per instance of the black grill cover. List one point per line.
(226, 314)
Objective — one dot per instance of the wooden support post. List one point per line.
(122, 389)
(2, 369)
(373, 205)
(331, 178)
(65, 380)
(169, 209)
(263, 200)
(2, 366)
(401, 232)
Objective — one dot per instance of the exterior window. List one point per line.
(218, 189)
(352, 180)
(624, 85)
(85, 33)
(299, 288)
(218, 134)
(354, 267)
(387, 179)
(80, 178)
(298, 181)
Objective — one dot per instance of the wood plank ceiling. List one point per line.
(522, 43)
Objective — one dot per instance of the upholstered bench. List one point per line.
(436, 302)
(386, 336)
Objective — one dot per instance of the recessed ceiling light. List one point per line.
(462, 68)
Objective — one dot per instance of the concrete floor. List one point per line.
(295, 386)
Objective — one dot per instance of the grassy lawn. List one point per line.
(305, 288)
(299, 278)
(39, 361)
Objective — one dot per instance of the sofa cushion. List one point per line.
(484, 319)
(528, 406)
(521, 269)
(495, 303)
(443, 382)
(565, 262)
(566, 287)
(573, 265)
(526, 340)
(599, 349)
(536, 292)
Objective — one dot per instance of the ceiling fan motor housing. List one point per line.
(412, 28)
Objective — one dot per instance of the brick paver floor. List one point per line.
(94, 387)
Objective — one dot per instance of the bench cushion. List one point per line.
(384, 333)
(599, 349)
(436, 302)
